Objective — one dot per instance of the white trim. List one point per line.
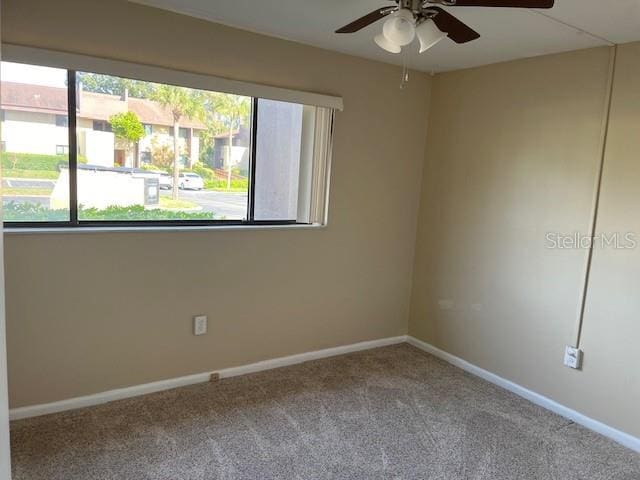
(305, 357)
(51, 58)
(307, 157)
(622, 438)
(149, 229)
(134, 391)
(105, 397)
(320, 179)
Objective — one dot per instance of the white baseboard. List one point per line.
(305, 357)
(105, 397)
(137, 390)
(623, 438)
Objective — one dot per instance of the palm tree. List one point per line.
(183, 102)
(234, 110)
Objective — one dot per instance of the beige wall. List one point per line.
(512, 153)
(5, 454)
(91, 312)
(610, 388)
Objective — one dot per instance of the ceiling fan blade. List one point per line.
(505, 3)
(365, 21)
(457, 31)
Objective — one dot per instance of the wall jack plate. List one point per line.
(573, 357)
(200, 325)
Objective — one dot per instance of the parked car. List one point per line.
(166, 181)
(190, 181)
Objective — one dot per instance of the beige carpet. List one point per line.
(389, 413)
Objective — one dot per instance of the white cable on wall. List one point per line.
(596, 195)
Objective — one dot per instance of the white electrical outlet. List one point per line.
(573, 357)
(200, 325)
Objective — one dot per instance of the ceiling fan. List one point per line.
(429, 22)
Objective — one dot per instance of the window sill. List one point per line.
(150, 229)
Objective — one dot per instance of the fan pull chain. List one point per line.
(405, 68)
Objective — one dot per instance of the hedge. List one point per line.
(17, 212)
(220, 184)
(34, 161)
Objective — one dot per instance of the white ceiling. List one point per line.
(507, 34)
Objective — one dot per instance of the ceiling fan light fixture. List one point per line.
(400, 28)
(384, 43)
(428, 34)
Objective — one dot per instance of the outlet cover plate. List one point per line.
(573, 357)
(200, 325)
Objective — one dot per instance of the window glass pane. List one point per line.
(279, 147)
(35, 139)
(131, 133)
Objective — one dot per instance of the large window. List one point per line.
(90, 149)
(34, 133)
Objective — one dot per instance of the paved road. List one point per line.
(231, 205)
(28, 183)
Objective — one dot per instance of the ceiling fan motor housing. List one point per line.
(420, 8)
(414, 6)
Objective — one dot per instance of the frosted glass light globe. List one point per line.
(385, 44)
(400, 29)
(428, 34)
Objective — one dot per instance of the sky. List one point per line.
(18, 72)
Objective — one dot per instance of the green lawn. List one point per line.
(38, 174)
(13, 191)
(230, 190)
(17, 212)
(170, 203)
